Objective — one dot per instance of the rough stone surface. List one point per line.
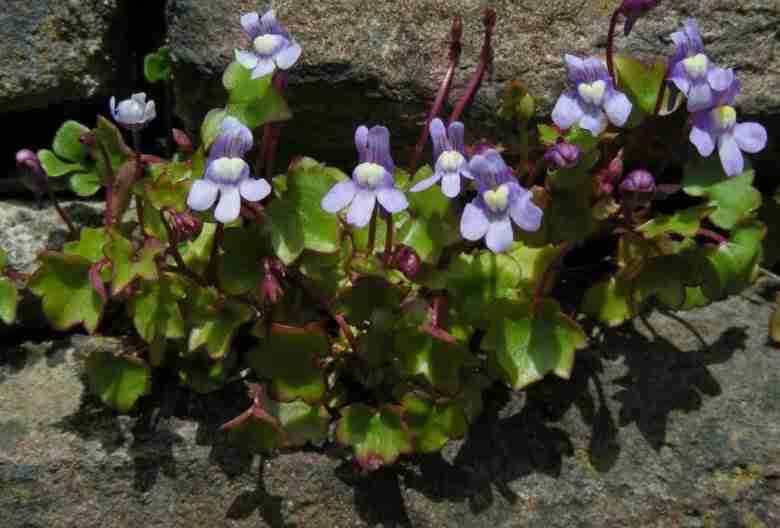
(57, 50)
(381, 61)
(670, 424)
(27, 229)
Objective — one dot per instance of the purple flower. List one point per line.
(633, 9)
(272, 45)
(134, 113)
(593, 100)
(372, 180)
(562, 155)
(227, 174)
(691, 70)
(450, 155)
(718, 126)
(499, 199)
(638, 181)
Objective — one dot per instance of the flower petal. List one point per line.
(339, 196)
(730, 155)
(679, 77)
(751, 137)
(473, 224)
(618, 108)
(525, 213)
(150, 112)
(438, 137)
(251, 24)
(246, 59)
(202, 195)
(139, 98)
(575, 67)
(288, 56)
(456, 134)
(362, 206)
(703, 141)
(720, 78)
(427, 183)
(567, 110)
(112, 106)
(264, 67)
(699, 96)
(450, 184)
(229, 205)
(253, 190)
(499, 235)
(594, 120)
(379, 148)
(361, 142)
(392, 199)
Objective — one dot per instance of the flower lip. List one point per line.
(696, 66)
(498, 199)
(451, 160)
(133, 113)
(370, 174)
(268, 44)
(228, 170)
(592, 93)
(724, 117)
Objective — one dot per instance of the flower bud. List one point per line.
(37, 179)
(638, 181)
(407, 261)
(562, 155)
(270, 291)
(633, 9)
(186, 225)
(183, 141)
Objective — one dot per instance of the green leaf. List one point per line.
(640, 81)
(54, 166)
(289, 357)
(9, 299)
(432, 423)
(157, 65)
(67, 141)
(85, 183)
(168, 187)
(242, 265)
(212, 124)
(127, 264)
(548, 136)
(197, 253)
(568, 217)
(378, 437)
(527, 342)
(118, 380)
(3, 259)
(215, 322)
(534, 263)
(203, 374)
(686, 222)
(667, 277)
(734, 198)
(609, 301)
(302, 423)
(367, 295)
(254, 102)
(155, 309)
(90, 244)
(325, 270)
(770, 216)
(297, 221)
(437, 362)
(583, 139)
(62, 281)
(731, 267)
(113, 144)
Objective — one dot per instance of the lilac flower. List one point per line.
(562, 155)
(719, 126)
(227, 174)
(450, 155)
(691, 70)
(272, 45)
(372, 180)
(633, 9)
(134, 113)
(593, 100)
(499, 199)
(638, 181)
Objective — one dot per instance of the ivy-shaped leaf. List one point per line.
(155, 308)
(254, 102)
(433, 423)
(534, 264)
(731, 267)
(734, 198)
(640, 81)
(609, 301)
(289, 357)
(157, 65)
(203, 374)
(127, 264)
(367, 294)
(89, 245)
(215, 321)
(527, 342)
(301, 422)
(439, 363)
(9, 299)
(296, 221)
(169, 185)
(241, 268)
(118, 380)
(667, 279)
(685, 223)
(378, 437)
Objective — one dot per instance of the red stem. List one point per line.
(61, 212)
(485, 61)
(441, 95)
(712, 235)
(611, 45)
(389, 240)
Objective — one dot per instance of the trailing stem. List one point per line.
(485, 62)
(441, 95)
(611, 45)
(389, 240)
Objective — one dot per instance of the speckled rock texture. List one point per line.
(58, 50)
(382, 61)
(670, 423)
